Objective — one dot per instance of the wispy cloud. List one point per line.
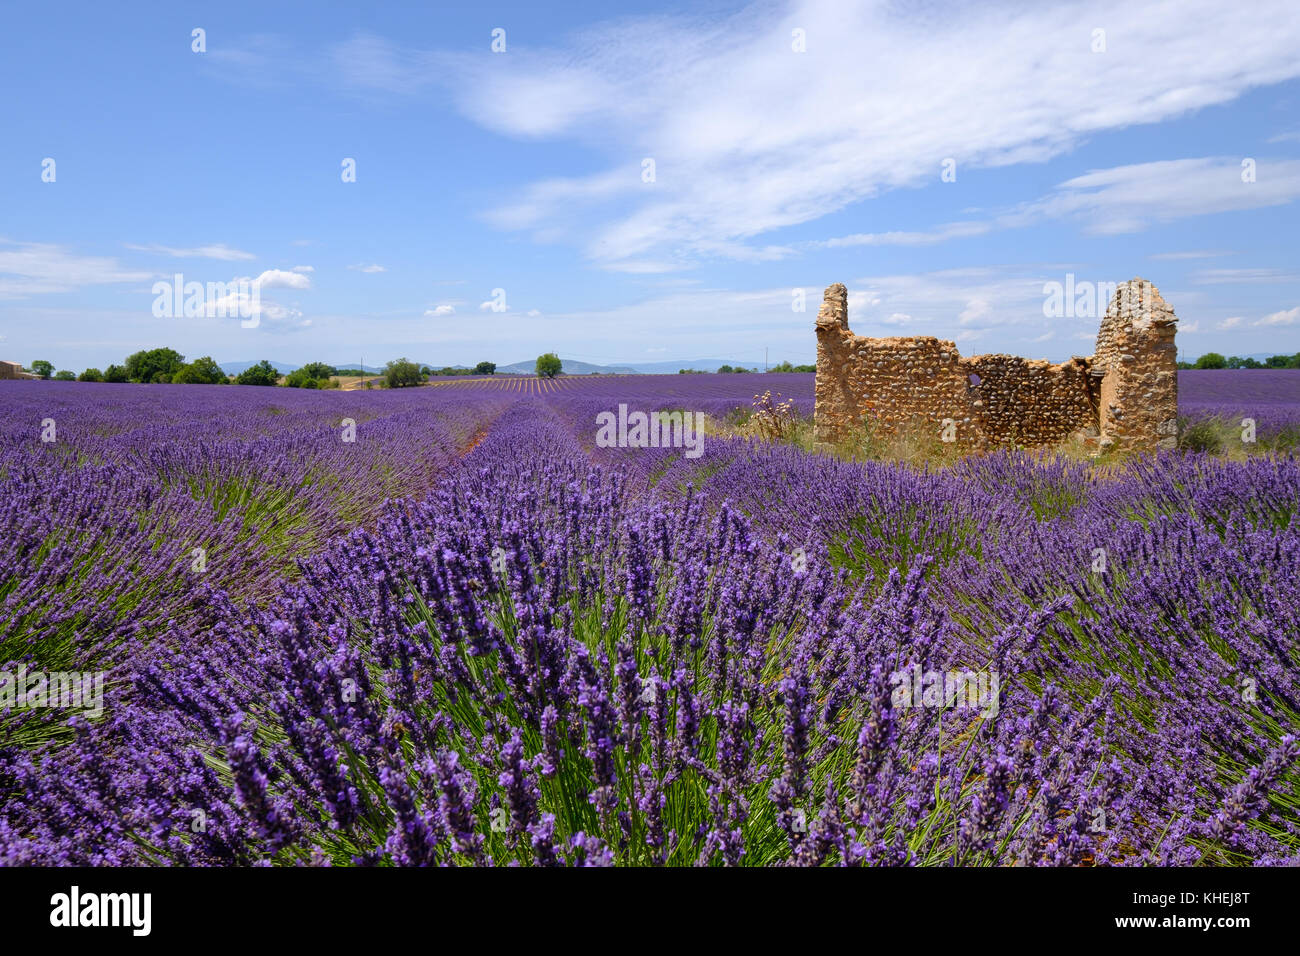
(1132, 198)
(272, 278)
(1192, 254)
(1286, 317)
(35, 268)
(1239, 276)
(748, 136)
(953, 230)
(218, 251)
(372, 267)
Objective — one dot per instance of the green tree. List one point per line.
(154, 365)
(91, 375)
(63, 375)
(1211, 360)
(485, 368)
(401, 373)
(202, 371)
(319, 370)
(42, 368)
(725, 369)
(302, 378)
(263, 373)
(549, 365)
(116, 373)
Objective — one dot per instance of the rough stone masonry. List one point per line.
(1125, 396)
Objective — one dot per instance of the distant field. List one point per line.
(1270, 396)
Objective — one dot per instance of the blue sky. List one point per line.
(775, 169)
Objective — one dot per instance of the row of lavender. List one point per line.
(576, 655)
(123, 506)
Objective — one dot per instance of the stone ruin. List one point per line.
(1125, 396)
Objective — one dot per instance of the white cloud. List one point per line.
(36, 268)
(270, 316)
(218, 251)
(1229, 323)
(953, 230)
(273, 278)
(1186, 327)
(533, 313)
(976, 310)
(1234, 276)
(1179, 256)
(749, 137)
(440, 310)
(373, 267)
(304, 268)
(1122, 199)
(1132, 198)
(1287, 317)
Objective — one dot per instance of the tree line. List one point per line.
(1215, 360)
(167, 366)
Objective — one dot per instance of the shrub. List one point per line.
(202, 371)
(401, 373)
(1201, 435)
(1211, 360)
(303, 378)
(773, 420)
(91, 375)
(263, 373)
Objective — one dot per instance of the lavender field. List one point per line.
(443, 625)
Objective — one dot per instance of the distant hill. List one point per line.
(699, 365)
(569, 367)
(284, 368)
(572, 367)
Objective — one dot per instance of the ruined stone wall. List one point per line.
(1125, 395)
(1137, 361)
(1028, 401)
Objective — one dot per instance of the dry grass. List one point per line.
(918, 445)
